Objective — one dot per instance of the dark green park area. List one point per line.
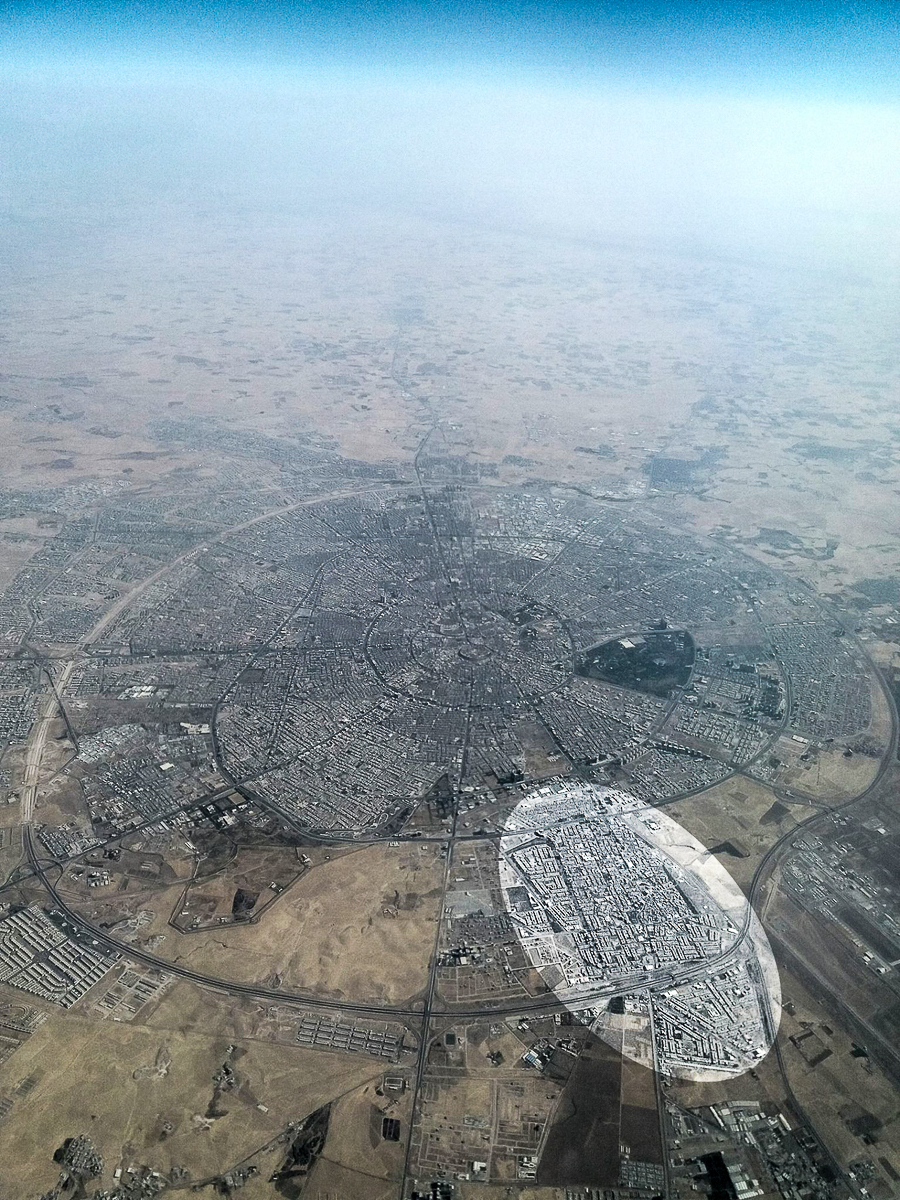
(656, 662)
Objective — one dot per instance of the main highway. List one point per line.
(415, 1012)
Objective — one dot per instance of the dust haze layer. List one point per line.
(760, 130)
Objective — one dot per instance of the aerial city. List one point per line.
(449, 635)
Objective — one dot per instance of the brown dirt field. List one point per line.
(480, 1191)
(86, 1085)
(732, 811)
(355, 1147)
(582, 1146)
(10, 839)
(831, 776)
(839, 1082)
(328, 935)
(211, 897)
(480, 1043)
(330, 1179)
(638, 1085)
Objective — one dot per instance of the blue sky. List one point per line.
(847, 49)
(754, 126)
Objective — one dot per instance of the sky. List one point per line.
(768, 128)
(824, 48)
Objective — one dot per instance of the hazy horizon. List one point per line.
(761, 130)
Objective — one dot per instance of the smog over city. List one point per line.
(450, 600)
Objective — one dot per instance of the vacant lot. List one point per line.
(147, 1096)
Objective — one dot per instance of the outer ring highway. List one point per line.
(541, 1004)
(518, 1005)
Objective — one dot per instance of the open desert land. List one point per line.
(748, 389)
(739, 820)
(597, 348)
(243, 346)
(361, 927)
(148, 1094)
(358, 1159)
(10, 840)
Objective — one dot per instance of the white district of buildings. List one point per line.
(640, 931)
